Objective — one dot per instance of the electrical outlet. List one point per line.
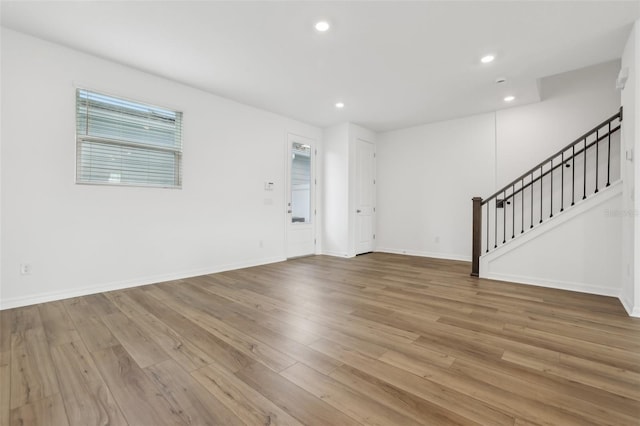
(25, 269)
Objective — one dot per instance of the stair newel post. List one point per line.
(477, 236)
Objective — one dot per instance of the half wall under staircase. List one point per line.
(557, 225)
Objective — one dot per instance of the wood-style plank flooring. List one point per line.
(376, 340)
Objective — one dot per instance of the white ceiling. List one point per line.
(394, 64)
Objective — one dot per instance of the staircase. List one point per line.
(587, 166)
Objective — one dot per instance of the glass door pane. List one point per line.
(300, 183)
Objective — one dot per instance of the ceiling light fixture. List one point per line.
(322, 26)
(339, 104)
(486, 59)
(509, 98)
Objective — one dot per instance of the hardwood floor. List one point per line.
(376, 340)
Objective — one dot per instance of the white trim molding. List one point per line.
(557, 284)
(633, 311)
(17, 302)
(336, 254)
(435, 255)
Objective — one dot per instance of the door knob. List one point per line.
(358, 211)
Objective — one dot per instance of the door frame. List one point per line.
(313, 143)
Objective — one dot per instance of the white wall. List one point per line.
(572, 103)
(579, 250)
(81, 238)
(630, 209)
(636, 210)
(628, 141)
(335, 199)
(428, 174)
(635, 115)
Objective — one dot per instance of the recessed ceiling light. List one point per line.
(322, 26)
(339, 104)
(486, 59)
(509, 98)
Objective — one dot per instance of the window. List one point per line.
(120, 142)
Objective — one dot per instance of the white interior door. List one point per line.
(365, 196)
(301, 192)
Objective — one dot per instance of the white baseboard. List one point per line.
(335, 254)
(446, 256)
(628, 306)
(17, 302)
(561, 285)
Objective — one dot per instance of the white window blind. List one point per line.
(121, 142)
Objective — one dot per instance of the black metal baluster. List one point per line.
(522, 201)
(584, 153)
(562, 183)
(504, 216)
(609, 157)
(551, 191)
(573, 175)
(541, 194)
(487, 227)
(597, 157)
(531, 188)
(495, 228)
(513, 211)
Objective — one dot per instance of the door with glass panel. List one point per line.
(301, 191)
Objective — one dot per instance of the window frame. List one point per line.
(81, 138)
